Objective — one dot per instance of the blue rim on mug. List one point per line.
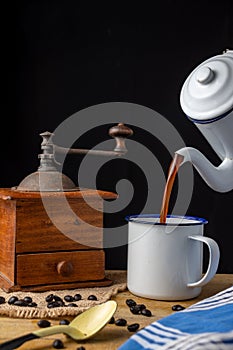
(198, 221)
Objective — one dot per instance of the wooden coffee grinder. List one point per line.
(44, 246)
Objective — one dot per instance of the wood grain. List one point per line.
(39, 269)
(78, 226)
(39, 230)
(7, 240)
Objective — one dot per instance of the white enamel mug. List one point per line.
(165, 261)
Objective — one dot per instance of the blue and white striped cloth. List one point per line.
(205, 325)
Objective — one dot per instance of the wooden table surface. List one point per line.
(112, 336)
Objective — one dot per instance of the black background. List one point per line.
(62, 56)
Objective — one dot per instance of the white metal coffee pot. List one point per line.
(207, 100)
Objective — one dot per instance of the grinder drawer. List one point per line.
(36, 231)
(60, 267)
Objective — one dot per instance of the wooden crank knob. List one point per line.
(120, 132)
(64, 268)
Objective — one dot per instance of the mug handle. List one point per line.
(214, 255)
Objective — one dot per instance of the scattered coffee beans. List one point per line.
(64, 322)
(43, 323)
(141, 306)
(77, 297)
(54, 301)
(20, 302)
(60, 302)
(57, 298)
(133, 327)
(68, 298)
(27, 299)
(2, 300)
(32, 304)
(53, 304)
(130, 302)
(49, 298)
(146, 312)
(136, 310)
(58, 344)
(177, 307)
(120, 322)
(12, 300)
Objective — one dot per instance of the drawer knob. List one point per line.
(64, 268)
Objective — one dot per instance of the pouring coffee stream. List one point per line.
(173, 169)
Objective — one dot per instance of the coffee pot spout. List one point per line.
(219, 178)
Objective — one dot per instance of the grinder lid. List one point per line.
(207, 93)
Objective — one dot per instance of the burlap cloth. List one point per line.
(42, 311)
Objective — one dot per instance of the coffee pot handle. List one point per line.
(214, 255)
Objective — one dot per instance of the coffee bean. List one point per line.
(72, 305)
(20, 302)
(81, 348)
(112, 320)
(136, 310)
(43, 323)
(32, 304)
(130, 302)
(133, 327)
(2, 300)
(92, 297)
(49, 298)
(120, 322)
(58, 344)
(12, 300)
(77, 297)
(58, 303)
(146, 312)
(177, 307)
(68, 298)
(57, 298)
(50, 305)
(64, 322)
(53, 304)
(141, 306)
(27, 299)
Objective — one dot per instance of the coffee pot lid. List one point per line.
(207, 92)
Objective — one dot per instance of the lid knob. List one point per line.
(204, 75)
(207, 93)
